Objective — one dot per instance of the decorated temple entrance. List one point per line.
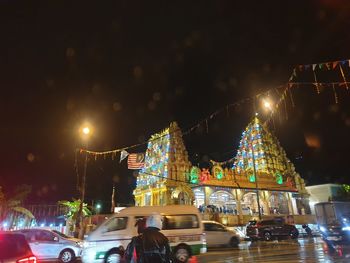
(250, 204)
(199, 197)
(227, 188)
(223, 201)
(278, 203)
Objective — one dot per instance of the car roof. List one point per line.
(168, 209)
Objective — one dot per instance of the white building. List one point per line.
(322, 193)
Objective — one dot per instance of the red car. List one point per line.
(15, 249)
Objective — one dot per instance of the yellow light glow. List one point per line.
(267, 104)
(86, 130)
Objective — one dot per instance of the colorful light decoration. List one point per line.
(251, 141)
(252, 178)
(269, 157)
(205, 175)
(199, 175)
(279, 178)
(218, 172)
(156, 159)
(194, 175)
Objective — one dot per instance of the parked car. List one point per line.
(218, 235)
(270, 229)
(14, 248)
(49, 244)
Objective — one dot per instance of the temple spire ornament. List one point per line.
(270, 158)
(163, 180)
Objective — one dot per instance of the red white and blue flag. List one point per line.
(136, 161)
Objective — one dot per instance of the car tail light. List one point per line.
(27, 260)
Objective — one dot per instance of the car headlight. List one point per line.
(80, 243)
(323, 229)
(346, 228)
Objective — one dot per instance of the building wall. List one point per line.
(322, 193)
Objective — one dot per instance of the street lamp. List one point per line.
(98, 208)
(255, 177)
(85, 132)
(267, 104)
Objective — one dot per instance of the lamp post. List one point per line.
(255, 176)
(268, 105)
(113, 199)
(85, 133)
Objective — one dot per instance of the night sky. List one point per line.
(132, 67)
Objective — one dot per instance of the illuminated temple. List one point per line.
(230, 187)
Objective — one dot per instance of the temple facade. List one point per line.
(260, 169)
(164, 178)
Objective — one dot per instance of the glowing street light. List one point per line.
(98, 208)
(86, 130)
(267, 104)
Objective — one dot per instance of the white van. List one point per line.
(182, 225)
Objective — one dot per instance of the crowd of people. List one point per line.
(212, 209)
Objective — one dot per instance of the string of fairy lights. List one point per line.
(284, 93)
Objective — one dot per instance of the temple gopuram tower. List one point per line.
(234, 188)
(163, 180)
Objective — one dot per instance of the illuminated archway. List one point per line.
(199, 196)
(250, 204)
(223, 200)
(278, 203)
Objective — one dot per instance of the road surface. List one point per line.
(305, 250)
(301, 250)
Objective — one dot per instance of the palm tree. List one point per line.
(72, 211)
(11, 209)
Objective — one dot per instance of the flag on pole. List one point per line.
(123, 155)
(136, 161)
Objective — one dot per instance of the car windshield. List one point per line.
(116, 223)
(60, 234)
(12, 246)
(213, 227)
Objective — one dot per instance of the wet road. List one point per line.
(301, 250)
